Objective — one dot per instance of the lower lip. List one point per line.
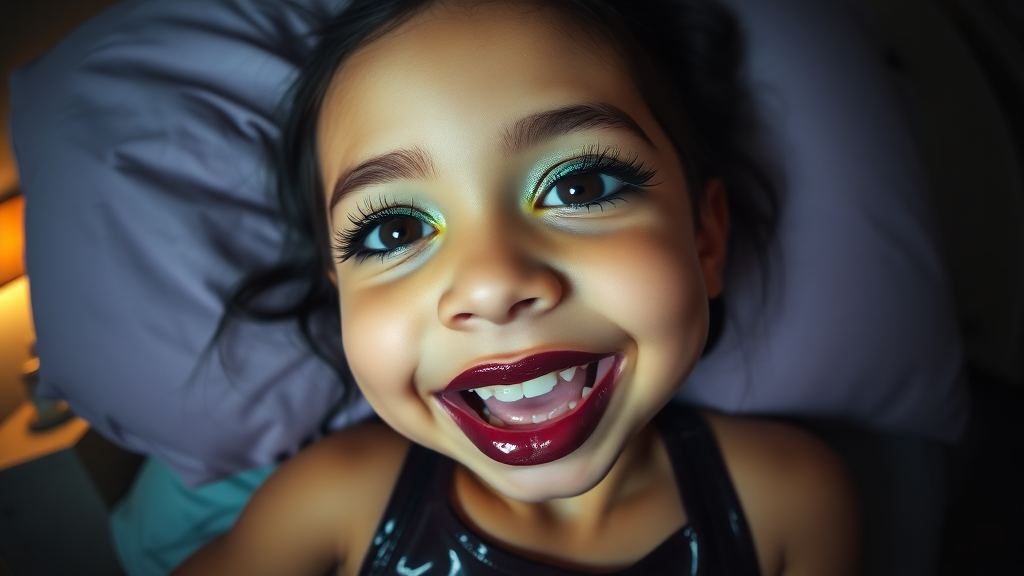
(537, 444)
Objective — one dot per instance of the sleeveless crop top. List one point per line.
(420, 534)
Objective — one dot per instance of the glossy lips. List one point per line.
(527, 445)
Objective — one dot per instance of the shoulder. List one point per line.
(335, 468)
(358, 455)
(796, 494)
(344, 481)
(316, 510)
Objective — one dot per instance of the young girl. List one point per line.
(525, 204)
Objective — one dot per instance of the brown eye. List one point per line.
(581, 189)
(396, 232)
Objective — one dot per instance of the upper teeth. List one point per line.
(529, 389)
(539, 386)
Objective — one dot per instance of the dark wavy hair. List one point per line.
(685, 57)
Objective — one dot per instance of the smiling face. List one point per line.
(505, 210)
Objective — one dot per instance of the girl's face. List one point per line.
(506, 210)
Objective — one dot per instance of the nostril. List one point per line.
(515, 310)
(521, 306)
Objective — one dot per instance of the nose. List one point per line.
(496, 282)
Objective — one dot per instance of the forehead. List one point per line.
(451, 72)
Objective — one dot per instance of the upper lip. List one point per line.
(521, 370)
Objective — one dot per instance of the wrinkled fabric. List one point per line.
(161, 522)
(140, 141)
(857, 322)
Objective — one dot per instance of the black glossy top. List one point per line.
(420, 534)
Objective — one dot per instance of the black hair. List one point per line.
(685, 57)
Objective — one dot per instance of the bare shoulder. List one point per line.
(340, 474)
(775, 450)
(360, 455)
(351, 473)
(796, 494)
(315, 511)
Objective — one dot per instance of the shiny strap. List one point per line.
(406, 500)
(723, 544)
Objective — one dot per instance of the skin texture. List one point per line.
(498, 276)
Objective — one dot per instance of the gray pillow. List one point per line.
(860, 324)
(140, 143)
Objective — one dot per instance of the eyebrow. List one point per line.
(406, 164)
(413, 163)
(551, 124)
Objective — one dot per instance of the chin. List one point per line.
(550, 481)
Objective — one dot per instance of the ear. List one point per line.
(712, 238)
(333, 276)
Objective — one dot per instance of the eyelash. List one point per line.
(631, 173)
(349, 244)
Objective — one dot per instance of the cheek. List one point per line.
(379, 337)
(650, 284)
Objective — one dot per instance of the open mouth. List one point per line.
(533, 411)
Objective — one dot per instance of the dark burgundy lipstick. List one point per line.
(526, 445)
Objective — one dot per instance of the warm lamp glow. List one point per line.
(12, 239)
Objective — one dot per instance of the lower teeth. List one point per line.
(536, 418)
